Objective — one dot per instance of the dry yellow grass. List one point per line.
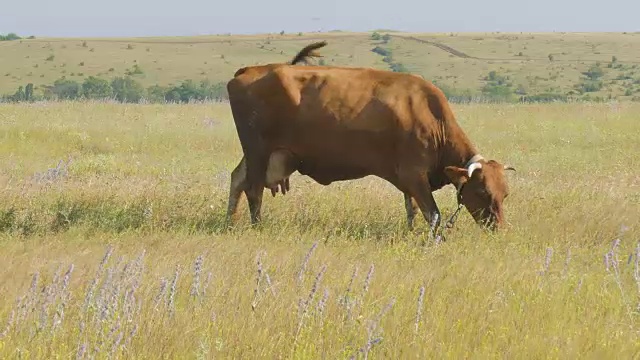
(154, 178)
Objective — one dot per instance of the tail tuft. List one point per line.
(308, 51)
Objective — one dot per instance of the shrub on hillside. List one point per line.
(497, 79)
(495, 91)
(126, 89)
(123, 89)
(497, 87)
(589, 86)
(544, 98)
(10, 37)
(594, 72)
(135, 70)
(63, 89)
(22, 94)
(189, 90)
(156, 93)
(382, 51)
(520, 90)
(398, 67)
(96, 88)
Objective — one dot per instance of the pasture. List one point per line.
(112, 244)
(524, 63)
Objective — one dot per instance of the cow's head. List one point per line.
(483, 187)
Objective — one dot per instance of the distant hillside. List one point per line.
(605, 65)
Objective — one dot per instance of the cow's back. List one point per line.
(364, 112)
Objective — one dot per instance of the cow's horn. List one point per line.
(473, 167)
(509, 167)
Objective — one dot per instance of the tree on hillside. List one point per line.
(382, 51)
(28, 92)
(213, 91)
(398, 67)
(10, 37)
(594, 72)
(64, 89)
(156, 93)
(520, 90)
(126, 89)
(96, 88)
(19, 95)
(497, 79)
(592, 81)
(497, 86)
(190, 90)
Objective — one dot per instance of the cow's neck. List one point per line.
(457, 150)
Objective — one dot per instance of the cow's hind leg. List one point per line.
(247, 119)
(279, 168)
(256, 181)
(238, 185)
(267, 170)
(254, 197)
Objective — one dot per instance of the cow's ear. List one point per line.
(457, 175)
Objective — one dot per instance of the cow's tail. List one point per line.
(308, 51)
(240, 71)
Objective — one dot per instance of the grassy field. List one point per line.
(332, 270)
(458, 60)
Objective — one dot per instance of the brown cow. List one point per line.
(340, 123)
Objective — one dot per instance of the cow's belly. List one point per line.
(330, 148)
(326, 173)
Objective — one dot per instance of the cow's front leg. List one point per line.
(427, 204)
(256, 174)
(412, 207)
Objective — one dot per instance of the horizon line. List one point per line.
(325, 32)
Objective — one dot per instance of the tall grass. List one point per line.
(112, 244)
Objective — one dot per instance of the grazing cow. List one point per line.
(340, 123)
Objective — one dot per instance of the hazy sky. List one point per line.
(196, 17)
